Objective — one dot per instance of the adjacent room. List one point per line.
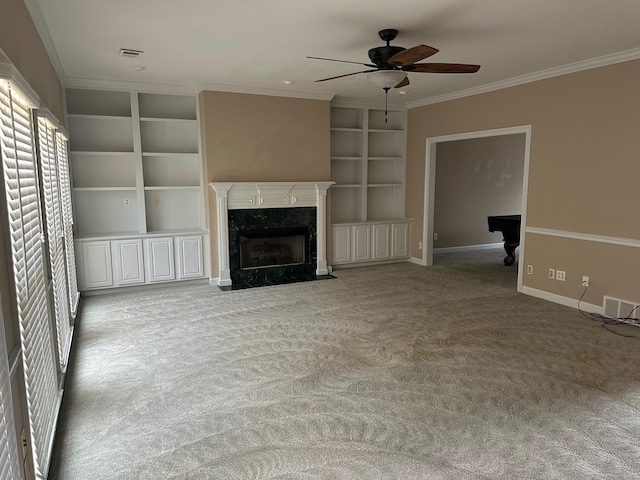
(328, 240)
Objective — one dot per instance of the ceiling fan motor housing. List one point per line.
(381, 55)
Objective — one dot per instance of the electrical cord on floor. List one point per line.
(606, 321)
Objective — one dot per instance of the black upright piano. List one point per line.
(509, 225)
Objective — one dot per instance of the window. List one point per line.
(62, 157)
(9, 460)
(25, 228)
(55, 235)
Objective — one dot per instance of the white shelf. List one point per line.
(334, 129)
(172, 187)
(173, 209)
(101, 134)
(104, 189)
(124, 144)
(103, 211)
(367, 164)
(174, 107)
(346, 118)
(77, 153)
(169, 136)
(168, 120)
(171, 170)
(98, 102)
(100, 169)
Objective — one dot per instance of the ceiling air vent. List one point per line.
(130, 53)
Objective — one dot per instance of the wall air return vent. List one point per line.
(130, 53)
(622, 309)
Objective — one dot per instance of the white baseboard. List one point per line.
(468, 248)
(559, 299)
(416, 261)
(214, 281)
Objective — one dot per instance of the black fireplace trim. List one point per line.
(256, 219)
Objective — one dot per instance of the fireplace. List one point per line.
(270, 246)
(284, 227)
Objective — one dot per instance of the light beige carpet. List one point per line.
(390, 372)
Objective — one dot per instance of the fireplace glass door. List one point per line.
(272, 247)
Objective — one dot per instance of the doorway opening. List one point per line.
(493, 177)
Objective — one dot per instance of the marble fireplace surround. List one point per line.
(248, 195)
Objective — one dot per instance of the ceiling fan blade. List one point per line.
(347, 75)
(442, 68)
(403, 83)
(344, 61)
(412, 55)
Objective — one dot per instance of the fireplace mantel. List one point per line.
(247, 195)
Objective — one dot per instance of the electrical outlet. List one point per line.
(585, 281)
(127, 202)
(435, 236)
(552, 273)
(529, 269)
(560, 275)
(419, 245)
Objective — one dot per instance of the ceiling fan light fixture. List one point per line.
(387, 78)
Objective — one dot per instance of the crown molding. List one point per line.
(10, 73)
(604, 61)
(274, 92)
(33, 6)
(122, 85)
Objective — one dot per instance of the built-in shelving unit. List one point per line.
(368, 166)
(136, 165)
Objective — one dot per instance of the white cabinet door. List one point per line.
(361, 243)
(341, 244)
(189, 257)
(400, 239)
(381, 246)
(128, 261)
(160, 259)
(96, 264)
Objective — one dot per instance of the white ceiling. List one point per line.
(254, 45)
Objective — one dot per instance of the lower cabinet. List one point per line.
(189, 257)
(160, 259)
(370, 242)
(95, 260)
(138, 261)
(128, 265)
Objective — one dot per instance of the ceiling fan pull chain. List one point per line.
(386, 100)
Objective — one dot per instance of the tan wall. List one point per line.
(20, 41)
(258, 138)
(584, 167)
(476, 178)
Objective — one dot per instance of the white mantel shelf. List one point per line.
(246, 195)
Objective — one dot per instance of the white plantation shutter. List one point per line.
(25, 224)
(55, 233)
(9, 459)
(62, 145)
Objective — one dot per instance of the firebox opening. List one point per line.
(273, 247)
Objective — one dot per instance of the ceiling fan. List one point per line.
(390, 64)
